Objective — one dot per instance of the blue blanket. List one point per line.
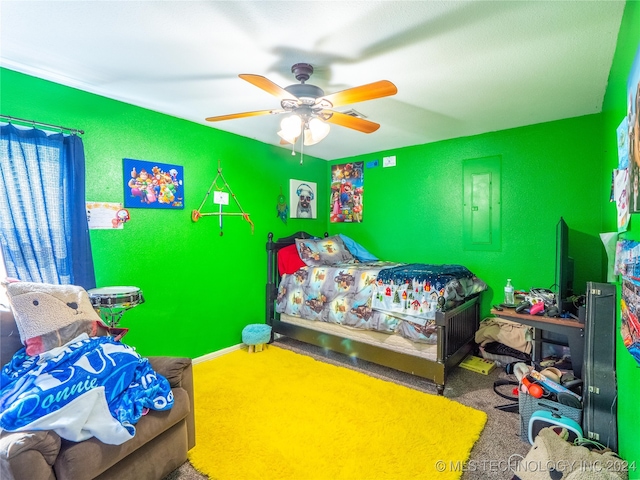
(415, 292)
(438, 275)
(89, 387)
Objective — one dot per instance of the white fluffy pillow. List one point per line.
(49, 315)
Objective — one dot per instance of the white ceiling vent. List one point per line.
(354, 113)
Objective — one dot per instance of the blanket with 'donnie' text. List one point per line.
(92, 386)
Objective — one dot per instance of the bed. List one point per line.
(417, 318)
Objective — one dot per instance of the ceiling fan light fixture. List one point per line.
(311, 110)
(291, 127)
(315, 131)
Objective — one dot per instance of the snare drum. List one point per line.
(112, 302)
(115, 297)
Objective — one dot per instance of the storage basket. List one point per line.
(529, 404)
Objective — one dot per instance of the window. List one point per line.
(44, 234)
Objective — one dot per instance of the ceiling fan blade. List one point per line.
(268, 86)
(242, 115)
(348, 121)
(382, 88)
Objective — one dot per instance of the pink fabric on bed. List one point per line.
(289, 260)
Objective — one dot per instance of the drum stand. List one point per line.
(111, 302)
(111, 315)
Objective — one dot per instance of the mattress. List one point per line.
(391, 342)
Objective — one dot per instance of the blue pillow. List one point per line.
(357, 250)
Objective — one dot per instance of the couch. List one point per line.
(159, 446)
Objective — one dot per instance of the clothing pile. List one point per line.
(504, 341)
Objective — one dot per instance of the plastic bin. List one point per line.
(529, 404)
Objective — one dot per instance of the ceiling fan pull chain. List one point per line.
(301, 148)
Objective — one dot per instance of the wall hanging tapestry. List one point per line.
(220, 198)
(282, 415)
(347, 192)
(283, 207)
(153, 185)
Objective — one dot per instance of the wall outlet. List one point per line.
(389, 161)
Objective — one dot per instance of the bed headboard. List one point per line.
(273, 276)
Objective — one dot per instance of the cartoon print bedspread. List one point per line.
(90, 387)
(382, 296)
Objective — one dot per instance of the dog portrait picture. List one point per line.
(303, 199)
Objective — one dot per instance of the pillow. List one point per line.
(50, 316)
(357, 250)
(324, 251)
(288, 260)
(569, 461)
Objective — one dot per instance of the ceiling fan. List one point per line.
(311, 110)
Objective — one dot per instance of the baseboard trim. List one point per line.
(216, 354)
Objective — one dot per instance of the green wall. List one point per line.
(414, 212)
(200, 288)
(614, 110)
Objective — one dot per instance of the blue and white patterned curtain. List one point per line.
(44, 233)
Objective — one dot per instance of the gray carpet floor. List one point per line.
(499, 445)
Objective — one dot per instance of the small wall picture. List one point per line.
(303, 199)
(347, 193)
(153, 185)
(106, 215)
(633, 125)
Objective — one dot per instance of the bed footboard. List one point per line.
(459, 327)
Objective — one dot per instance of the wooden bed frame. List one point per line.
(456, 330)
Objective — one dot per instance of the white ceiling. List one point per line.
(461, 67)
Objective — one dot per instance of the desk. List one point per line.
(573, 329)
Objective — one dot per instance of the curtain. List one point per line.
(44, 233)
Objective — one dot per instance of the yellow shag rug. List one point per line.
(282, 415)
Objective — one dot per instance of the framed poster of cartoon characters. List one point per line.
(347, 192)
(633, 125)
(153, 185)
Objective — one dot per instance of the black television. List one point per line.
(564, 269)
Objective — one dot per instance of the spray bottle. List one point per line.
(509, 298)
